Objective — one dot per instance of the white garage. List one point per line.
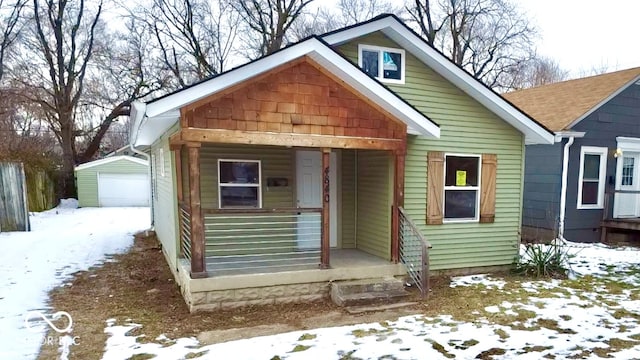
(123, 190)
(113, 181)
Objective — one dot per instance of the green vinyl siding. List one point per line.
(466, 127)
(165, 200)
(87, 179)
(347, 207)
(373, 234)
(276, 162)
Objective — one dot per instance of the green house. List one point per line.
(343, 156)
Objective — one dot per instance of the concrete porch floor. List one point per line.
(346, 264)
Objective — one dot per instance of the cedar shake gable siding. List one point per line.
(299, 99)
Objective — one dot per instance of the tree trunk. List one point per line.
(67, 177)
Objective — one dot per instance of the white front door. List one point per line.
(309, 195)
(627, 179)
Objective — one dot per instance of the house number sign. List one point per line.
(326, 184)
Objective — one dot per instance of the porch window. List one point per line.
(385, 64)
(239, 184)
(461, 187)
(591, 180)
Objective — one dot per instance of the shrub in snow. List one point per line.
(542, 260)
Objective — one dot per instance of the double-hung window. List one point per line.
(385, 64)
(461, 187)
(239, 184)
(592, 177)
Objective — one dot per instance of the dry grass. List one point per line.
(139, 286)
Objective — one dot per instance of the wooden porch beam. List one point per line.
(198, 267)
(398, 201)
(285, 139)
(175, 140)
(325, 246)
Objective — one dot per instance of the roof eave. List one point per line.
(110, 159)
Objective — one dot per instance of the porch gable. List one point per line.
(297, 99)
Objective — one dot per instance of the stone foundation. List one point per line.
(267, 295)
(297, 286)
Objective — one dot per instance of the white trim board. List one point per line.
(628, 144)
(602, 176)
(110, 160)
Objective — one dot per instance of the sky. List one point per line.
(585, 34)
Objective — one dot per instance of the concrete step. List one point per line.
(368, 292)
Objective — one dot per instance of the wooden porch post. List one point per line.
(177, 152)
(398, 200)
(325, 240)
(198, 267)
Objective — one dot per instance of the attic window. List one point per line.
(385, 64)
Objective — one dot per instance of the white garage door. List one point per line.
(123, 190)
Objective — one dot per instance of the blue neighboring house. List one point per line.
(588, 182)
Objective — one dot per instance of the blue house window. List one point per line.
(384, 64)
(591, 180)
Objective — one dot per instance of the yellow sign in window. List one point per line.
(461, 178)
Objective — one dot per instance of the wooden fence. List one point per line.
(14, 213)
(41, 192)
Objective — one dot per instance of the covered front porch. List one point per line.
(282, 171)
(270, 209)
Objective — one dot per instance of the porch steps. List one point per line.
(368, 292)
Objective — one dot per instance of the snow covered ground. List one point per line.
(595, 313)
(597, 317)
(62, 241)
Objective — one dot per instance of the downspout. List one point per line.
(142, 153)
(563, 191)
(138, 111)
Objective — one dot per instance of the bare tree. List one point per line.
(345, 13)
(10, 12)
(122, 73)
(268, 22)
(488, 38)
(193, 38)
(64, 37)
(355, 11)
(81, 76)
(539, 71)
